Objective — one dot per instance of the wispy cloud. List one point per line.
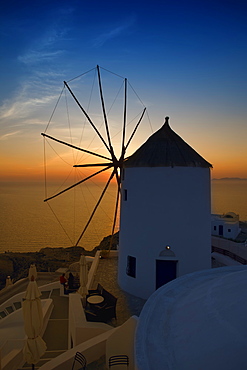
(22, 106)
(47, 46)
(114, 32)
(27, 111)
(6, 136)
(35, 56)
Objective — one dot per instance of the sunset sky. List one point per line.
(184, 59)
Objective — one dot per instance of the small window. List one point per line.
(125, 194)
(131, 266)
(229, 230)
(214, 227)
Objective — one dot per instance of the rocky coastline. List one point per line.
(16, 264)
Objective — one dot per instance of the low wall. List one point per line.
(223, 260)
(93, 270)
(94, 266)
(18, 297)
(11, 292)
(21, 285)
(236, 251)
(92, 349)
(12, 350)
(81, 330)
(106, 344)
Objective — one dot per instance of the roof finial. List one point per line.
(166, 121)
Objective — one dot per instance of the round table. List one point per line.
(95, 299)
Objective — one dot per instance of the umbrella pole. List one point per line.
(33, 367)
(84, 301)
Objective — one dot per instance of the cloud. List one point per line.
(25, 114)
(6, 136)
(45, 48)
(22, 106)
(114, 32)
(34, 56)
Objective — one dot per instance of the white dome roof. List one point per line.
(197, 321)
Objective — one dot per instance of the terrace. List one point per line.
(66, 329)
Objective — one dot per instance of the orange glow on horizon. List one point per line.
(12, 172)
(31, 168)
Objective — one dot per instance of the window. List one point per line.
(125, 194)
(131, 266)
(214, 227)
(229, 230)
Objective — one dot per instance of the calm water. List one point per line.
(28, 224)
(229, 196)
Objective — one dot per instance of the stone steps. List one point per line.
(56, 333)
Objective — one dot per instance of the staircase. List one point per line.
(56, 333)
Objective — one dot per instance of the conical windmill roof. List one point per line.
(166, 149)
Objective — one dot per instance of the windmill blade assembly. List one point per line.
(110, 161)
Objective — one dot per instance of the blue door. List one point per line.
(221, 230)
(165, 272)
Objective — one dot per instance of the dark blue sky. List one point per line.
(186, 59)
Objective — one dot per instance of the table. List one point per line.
(95, 299)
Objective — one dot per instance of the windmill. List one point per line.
(111, 161)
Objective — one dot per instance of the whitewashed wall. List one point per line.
(230, 229)
(165, 206)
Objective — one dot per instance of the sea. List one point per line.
(28, 224)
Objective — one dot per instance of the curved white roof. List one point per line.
(197, 321)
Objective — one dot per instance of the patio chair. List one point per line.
(81, 360)
(97, 291)
(91, 316)
(119, 360)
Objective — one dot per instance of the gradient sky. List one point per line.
(185, 59)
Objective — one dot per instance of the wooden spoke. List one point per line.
(104, 114)
(94, 165)
(95, 208)
(115, 216)
(74, 147)
(108, 161)
(80, 182)
(87, 116)
(133, 133)
(124, 119)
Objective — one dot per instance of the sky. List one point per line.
(184, 59)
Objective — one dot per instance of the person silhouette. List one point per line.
(63, 281)
(71, 281)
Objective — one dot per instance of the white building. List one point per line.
(165, 214)
(195, 322)
(226, 226)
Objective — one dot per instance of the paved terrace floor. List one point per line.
(127, 304)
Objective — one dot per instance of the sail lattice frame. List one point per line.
(110, 162)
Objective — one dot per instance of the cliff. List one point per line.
(47, 259)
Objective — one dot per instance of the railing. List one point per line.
(236, 251)
(15, 293)
(232, 255)
(21, 285)
(19, 296)
(12, 349)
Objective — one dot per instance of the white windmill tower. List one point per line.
(165, 214)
